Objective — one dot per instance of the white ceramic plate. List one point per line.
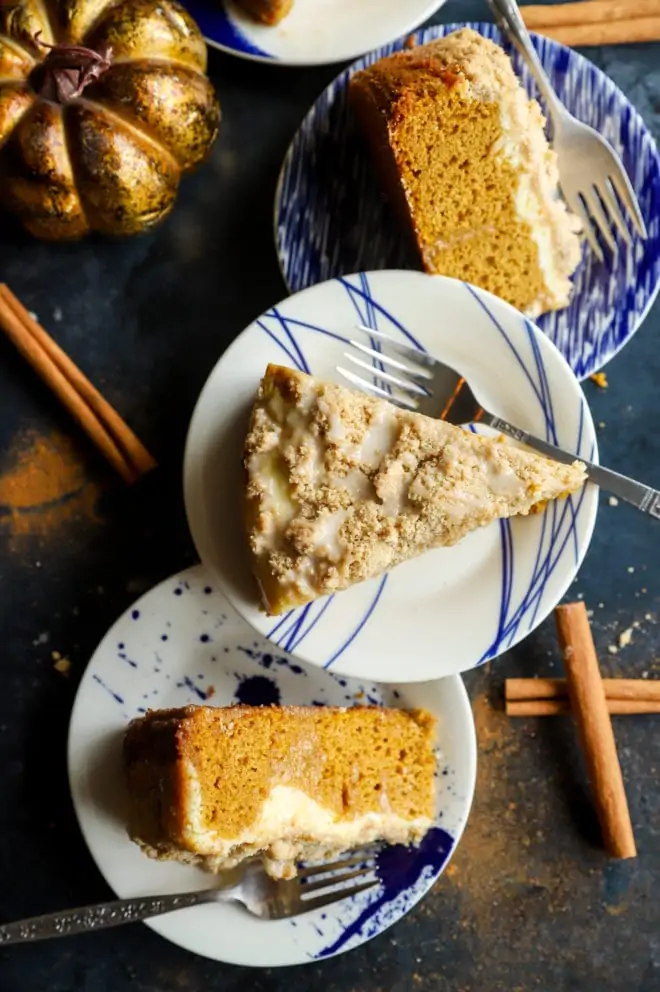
(316, 32)
(180, 644)
(451, 608)
(331, 219)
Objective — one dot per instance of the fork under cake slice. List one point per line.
(342, 486)
(213, 786)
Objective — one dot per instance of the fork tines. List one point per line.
(330, 880)
(408, 385)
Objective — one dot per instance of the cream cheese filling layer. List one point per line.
(554, 229)
(538, 203)
(289, 818)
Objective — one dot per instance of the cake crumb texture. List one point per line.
(201, 777)
(342, 486)
(462, 154)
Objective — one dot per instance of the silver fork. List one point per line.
(315, 886)
(590, 171)
(431, 387)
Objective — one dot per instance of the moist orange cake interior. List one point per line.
(462, 153)
(217, 785)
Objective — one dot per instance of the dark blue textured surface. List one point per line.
(533, 905)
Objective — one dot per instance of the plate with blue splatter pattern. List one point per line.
(331, 220)
(315, 32)
(183, 643)
(451, 608)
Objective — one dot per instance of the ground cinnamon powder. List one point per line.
(498, 859)
(44, 486)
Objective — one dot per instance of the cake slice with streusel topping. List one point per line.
(342, 486)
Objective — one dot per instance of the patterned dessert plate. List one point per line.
(183, 643)
(330, 218)
(448, 609)
(316, 32)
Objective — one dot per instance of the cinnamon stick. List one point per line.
(638, 29)
(556, 707)
(640, 690)
(589, 707)
(586, 12)
(78, 395)
(122, 433)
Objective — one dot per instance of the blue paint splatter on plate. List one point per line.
(399, 869)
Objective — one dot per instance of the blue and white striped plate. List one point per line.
(330, 218)
(316, 32)
(182, 643)
(449, 609)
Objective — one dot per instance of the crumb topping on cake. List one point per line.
(342, 486)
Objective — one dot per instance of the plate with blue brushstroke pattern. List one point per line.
(315, 32)
(331, 220)
(451, 608)
(183, 643)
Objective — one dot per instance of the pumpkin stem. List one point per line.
(68, 69)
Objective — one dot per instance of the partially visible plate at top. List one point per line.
(182, 643)
(331, 220)
(448, 609)
(316, 32)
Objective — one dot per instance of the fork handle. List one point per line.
(99, 917)
(508, 17)
(643, 497)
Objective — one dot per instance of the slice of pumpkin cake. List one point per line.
(462, 154)
(342, 486)
(214, 786)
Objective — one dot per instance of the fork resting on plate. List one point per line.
(592, 177)
(415, 380)
(248, 884)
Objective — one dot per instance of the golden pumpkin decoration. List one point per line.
(104, 104)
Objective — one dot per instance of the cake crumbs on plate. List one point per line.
(613, 501)
(625, 637)
(600, 379)
(612, 648)
(62, 665)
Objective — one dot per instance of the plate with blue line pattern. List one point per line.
(451, 608)
(315, 32)
(183, 643)
(331, 219)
